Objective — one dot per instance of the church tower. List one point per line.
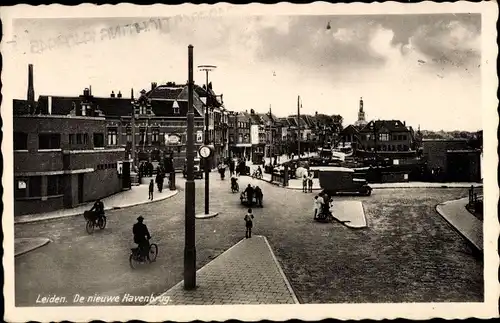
(361, 115)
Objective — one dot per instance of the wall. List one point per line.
(22, 207)
(434, 151)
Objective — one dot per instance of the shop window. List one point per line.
(129, 134)
(55, 185)
(112, 136)
(35, 186)
(98, 140)
(20, 141)
(49, 141)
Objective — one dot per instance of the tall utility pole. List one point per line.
(189, 244)
(207, 68)
(298, 125)
(133, 127)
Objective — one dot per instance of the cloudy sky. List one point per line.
(422, 69)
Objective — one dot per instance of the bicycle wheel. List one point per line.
(153, 252)
(90, 226)
(102, 222)
(134, 262)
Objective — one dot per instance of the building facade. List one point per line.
(240, 144)
(61, 161)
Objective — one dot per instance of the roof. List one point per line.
(165, 92)
(60, 104)
(350, 129)
(390, 125)
(21, 107)
(164, 108)
(113, 106)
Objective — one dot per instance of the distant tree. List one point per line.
(337, 122)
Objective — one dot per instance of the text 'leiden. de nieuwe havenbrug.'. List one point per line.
(102, 299)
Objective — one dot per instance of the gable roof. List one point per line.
(165, 92)
(164, 108)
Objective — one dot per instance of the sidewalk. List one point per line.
(455, 213)
(247, 273)
(351, 211)
(25, 245)
(135, 196)
(296, 184)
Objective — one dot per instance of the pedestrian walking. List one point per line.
(310, 182)
(248, 224)
(316, 206)
(151, 189)
(304, 183)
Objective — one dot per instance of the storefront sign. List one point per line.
(199, 136)
(172, 139)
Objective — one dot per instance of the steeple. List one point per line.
(31, 89)
(361, 114)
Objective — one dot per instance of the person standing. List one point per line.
(310, 182)
(304, 183)
(231, 167)
(151, 189)
(316, 206)
(248, 224)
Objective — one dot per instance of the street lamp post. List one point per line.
(189, 246)
(207, 68)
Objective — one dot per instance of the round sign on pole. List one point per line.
(205, 151)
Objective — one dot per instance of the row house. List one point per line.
(240, 145)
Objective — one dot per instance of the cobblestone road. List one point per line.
(408, 253)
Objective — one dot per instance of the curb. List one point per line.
(40, 244)
(79, 213)
(441, 213)
(206, 216)
(287, 283)
(364, 217)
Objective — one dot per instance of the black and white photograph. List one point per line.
(213, 162)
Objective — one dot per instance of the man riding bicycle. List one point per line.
(234, 182)
(141, 237)
(98, 208)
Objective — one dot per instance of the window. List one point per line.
(85, 138)
(54, 185)
(142, 136)
(49, 141)
(79, 138)
(20, 187)
(129, 134)
(112, 136)
(240, 138)
(156, 135)
(72, 139)
(142, 109)
(98, 140)
(383, 137)
(35, 186)
(20, 141)
(176, 109)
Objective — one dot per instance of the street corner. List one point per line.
(350, 213)
(206, 216)
(25, 245)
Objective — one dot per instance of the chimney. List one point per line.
(112, 94)
(119, 94)
(90, 89)
(49, 104)
(132, 93)
(404, 123)
(153, 85)
(31, 90)
(252, 111)
(316, 113)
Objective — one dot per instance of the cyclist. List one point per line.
(234, 182)
(98, 208)
(141, 237)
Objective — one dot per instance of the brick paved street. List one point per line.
(245, 274)
(408, 253)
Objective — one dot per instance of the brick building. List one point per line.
(240, 144)
(61, 161)
(452, 159)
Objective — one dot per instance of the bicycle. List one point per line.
(93, 220)
(136, 258)
(257, 175)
